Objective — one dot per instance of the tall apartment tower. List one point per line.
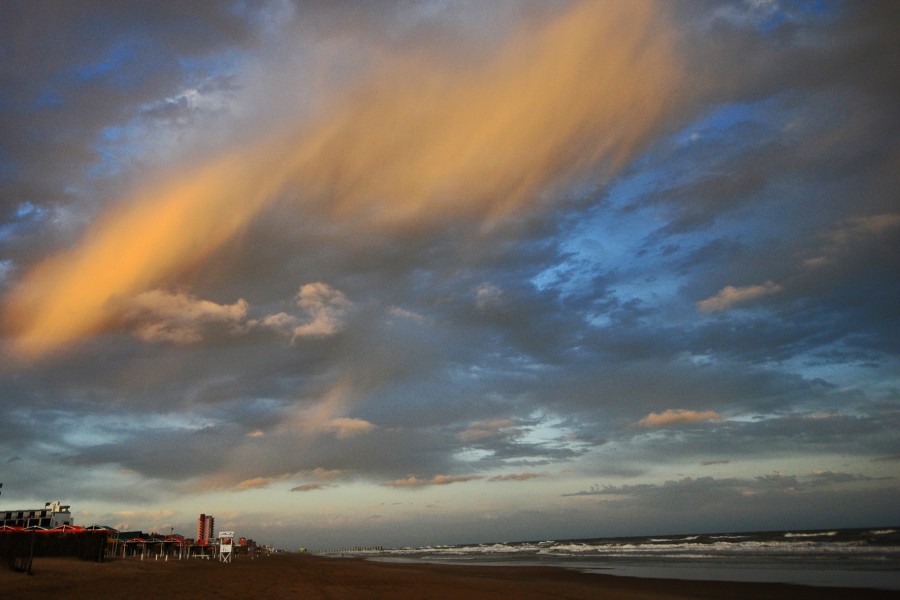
(206, 528)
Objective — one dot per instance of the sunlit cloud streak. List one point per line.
(415, 482)
(423, 139)
(731, 296)
(677, 416)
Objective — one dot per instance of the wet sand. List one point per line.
(302, 576)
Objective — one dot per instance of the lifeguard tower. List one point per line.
(226, 546)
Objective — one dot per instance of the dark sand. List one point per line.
(302, 576)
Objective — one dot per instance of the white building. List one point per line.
(52, 515)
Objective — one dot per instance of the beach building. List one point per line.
(52, 515)
(206, 528)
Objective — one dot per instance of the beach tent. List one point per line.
(9, 528)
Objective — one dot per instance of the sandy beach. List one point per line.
(303, 576)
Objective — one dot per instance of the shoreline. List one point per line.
(885, 579)
(296, 575)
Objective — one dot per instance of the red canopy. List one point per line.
(4, 528)
(174, 538)
(67, 529)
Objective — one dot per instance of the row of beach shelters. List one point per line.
(19, 544)
(158, 547)
(38, 528)
(125, 544)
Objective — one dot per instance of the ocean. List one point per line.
(859, 558)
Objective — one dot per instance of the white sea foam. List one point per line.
(872, 554)
(810, 535)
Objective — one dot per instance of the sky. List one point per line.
(435, 272)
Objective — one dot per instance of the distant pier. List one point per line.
(350, 550)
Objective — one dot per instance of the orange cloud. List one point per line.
(427, 139)
(413, 481)
(421, 141)
(344, 427)
(325, 305)
(481, 430)
(327, 416)
(321, 473)
(256, 482)
(678, 415)
(179, 318)
(730, 296)
(133, 249)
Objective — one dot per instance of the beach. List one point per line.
(305, 576)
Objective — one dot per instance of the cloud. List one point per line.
(413, 481)
(159, 316)
(321, 473)
(448, 479)
(345, 428)
(856, 236)
(327, 415)
(699, 487)
(420, 140)
(518, 476)
(676, 416)
(279, 322)
(824, 478)
(131, 249)
(483, 430)
(325, 311)
(310, 487)
(325, 305)
(488, 296)
(406, 314)
(254, 483)
(730, 296)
